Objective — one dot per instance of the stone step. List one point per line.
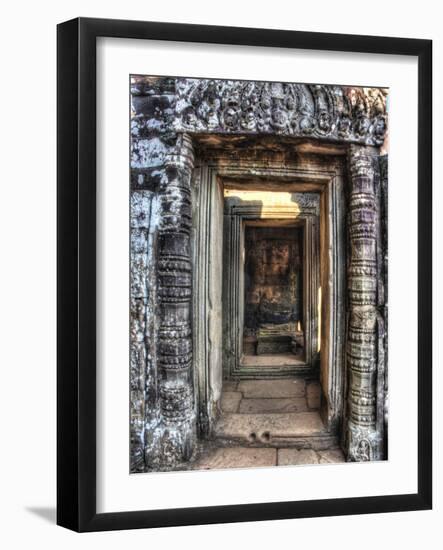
(267, 406)
(294, 387)
(274, 429)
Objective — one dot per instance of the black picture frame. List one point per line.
(76, 265)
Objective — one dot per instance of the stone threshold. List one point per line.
(266, 427)
(272, 360)
(216, 458)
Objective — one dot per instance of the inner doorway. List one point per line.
(273, 294)
(271, 394)
(271, 283)
(229, 213)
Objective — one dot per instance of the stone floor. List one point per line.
(269, 423)
(218, 458)
(291, 395)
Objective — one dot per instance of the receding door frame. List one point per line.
(306, 212)
(325, 176)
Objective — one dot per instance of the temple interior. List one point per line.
(273, 294)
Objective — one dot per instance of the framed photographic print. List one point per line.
(244, 274)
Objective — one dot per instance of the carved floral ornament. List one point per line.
(307, 110)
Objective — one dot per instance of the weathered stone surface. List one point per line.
(230, 401)
(271, 388)
(275, 345)
(236, 457)
(280, 360)
(264, 427)
(287, 457)
(148, 153)
(278, 405)
(331, 456)
(230, 385)
(365, 430)
(321, 111)
(313, 393)
(174, 350)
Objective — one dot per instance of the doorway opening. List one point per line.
(266, 276)
(271, 283)
(271, 391)
(273, 294)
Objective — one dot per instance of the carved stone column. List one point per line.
(174, 351)
(364, 437)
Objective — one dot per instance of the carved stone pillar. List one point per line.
(364, 437)
(174, 351)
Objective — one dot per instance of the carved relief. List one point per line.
(362, 340)
(140, 358)
(363, 453)
(174, 296)
(340, 113)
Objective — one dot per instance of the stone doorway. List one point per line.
(271, 281)
(193, 140)
(262, 340)
(271, 390)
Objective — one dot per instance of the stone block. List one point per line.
(230, 385)
(140, 271)
(332, 456)
(230, 401)
(148, 153)
(269, 428)
(271, 360)
(141, 209)
(152, 105)
(280, 344)
(313, 395)
(272, 388)
(286, 404)
(249, 346)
